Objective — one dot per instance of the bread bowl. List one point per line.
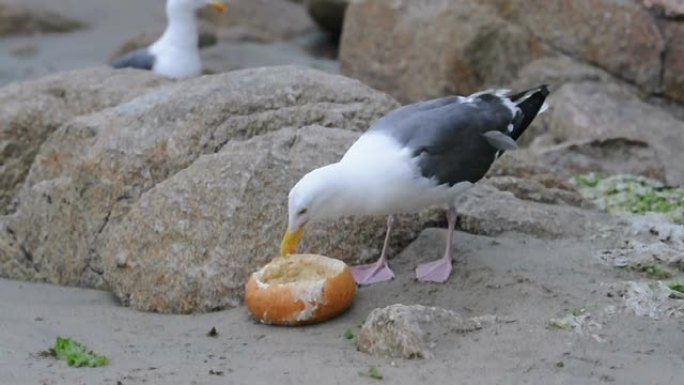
(299, 289)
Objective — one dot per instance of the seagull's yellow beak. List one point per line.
(289, 244)
(217, 6)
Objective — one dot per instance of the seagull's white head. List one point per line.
(173, 6)
(314, 197)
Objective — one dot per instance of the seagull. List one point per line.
(416, 156)
(176, 53)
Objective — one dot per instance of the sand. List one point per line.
(523, 281)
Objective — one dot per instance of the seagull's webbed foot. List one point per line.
(372, 273)
(435, 271)
(440, 270)
(378, 271)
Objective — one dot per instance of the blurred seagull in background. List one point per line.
(176, 53)
(414, 157)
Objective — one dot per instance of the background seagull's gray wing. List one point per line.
(140, 58)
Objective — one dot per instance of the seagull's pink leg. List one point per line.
(439, 270)
(377, 271)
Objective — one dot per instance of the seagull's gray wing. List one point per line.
(406, 111)
(457, 139)
(140, 58)
(448, 136)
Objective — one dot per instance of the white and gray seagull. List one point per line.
(416, 156)
(176, 53)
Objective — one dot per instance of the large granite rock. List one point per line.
(557, 71)
(591, 110)
(620, 36)
(673, 73)
(487, 210)
(30, 111)
(539, 190)
(424, 48)
(623, 37)
(530, 178)
(606, 156)
(94, 168)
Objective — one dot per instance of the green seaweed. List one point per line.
(677, 290)
(588, 180)
(632, 194)
(75, 354)
(654, 271)
(349, 334)
(579, 311)
(374, 373)
(559, 324)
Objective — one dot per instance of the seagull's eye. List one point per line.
(301, 212)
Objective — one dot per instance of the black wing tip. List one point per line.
(530, 103)
(541, 90)
(544, 90)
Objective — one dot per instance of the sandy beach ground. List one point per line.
(522, 281)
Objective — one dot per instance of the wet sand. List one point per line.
(523, 281)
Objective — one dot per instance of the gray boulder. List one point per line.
(624, 38)
(425, 48)
(590, 110)
(30, 111)
(607, 156)
(621, 37)
(673, 73)
(537, 191)
(557, 70)
(489, 211)
(528, 177)
(94, 168)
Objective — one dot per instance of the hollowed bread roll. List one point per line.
(300, 289)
